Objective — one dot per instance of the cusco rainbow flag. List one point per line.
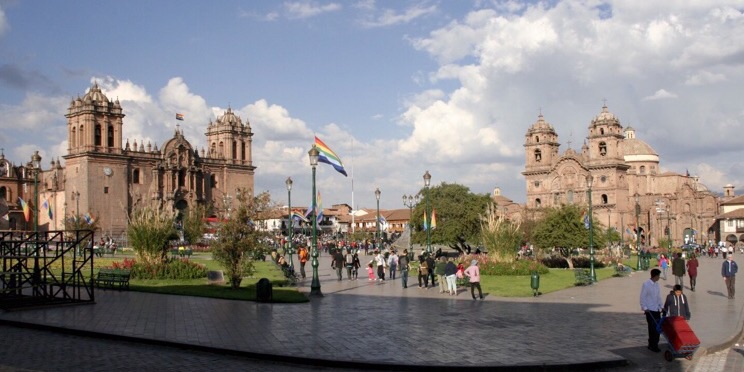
(326, 155)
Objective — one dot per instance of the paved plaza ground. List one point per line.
(364, 324)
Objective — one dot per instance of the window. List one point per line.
(643, 169)
(136, 176)
(537, 183)
(538, 155)
(98, 135)
(73, 137)
(110, 136)
(601, 131)
(556, 198)
(242, 150)
(537, 139)
(603, 179)
(105, 189)
(538, 203)
(3, 193)
(234, 150)
(181, 177)
(569, 196)
(604, 199)
(602, 148)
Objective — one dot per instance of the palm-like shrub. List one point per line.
(150, 229)
(500, 237)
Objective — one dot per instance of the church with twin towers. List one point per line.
(106, 176)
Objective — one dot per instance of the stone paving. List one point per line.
(364, 324)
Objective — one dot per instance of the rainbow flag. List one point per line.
(48, 207)
(298, 216)
(179, 117)
(433, 218)
(26, 209)
(328, 156)
(426, 226)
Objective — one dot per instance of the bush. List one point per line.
(555, 262)
(491, 266)
(583, 262)
(175, 269)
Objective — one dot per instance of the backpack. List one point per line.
(349, 259)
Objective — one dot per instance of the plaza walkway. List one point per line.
(363, 324)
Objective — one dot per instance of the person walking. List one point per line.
(473, 273)
(678, 269)
(392, 265)
(651, 306)
(676, 303)
(423, 273)
(349, 260)
(450, 275)
(403, 264)
(728, 271)
(302, 254)
(692, 267)
(664, 265)
(431, 264)
(380, 261)
(356, 265)
(338, 262)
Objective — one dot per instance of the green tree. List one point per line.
(150, 228)
(78, 222)
(563, 228)
(499, 236)
(240, 240)
(458, 213)
(193, 223)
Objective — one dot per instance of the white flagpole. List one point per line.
(353, 226)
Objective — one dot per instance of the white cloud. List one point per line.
(3, 22)
(660, 94)
(390, 17)
(307, 9)
(705, 77)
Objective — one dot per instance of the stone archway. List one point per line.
(731, 238)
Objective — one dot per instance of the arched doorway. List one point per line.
(731, 238)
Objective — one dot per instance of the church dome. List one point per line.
(229, 118)
(605, 118)
(637, 150)
(95, 94)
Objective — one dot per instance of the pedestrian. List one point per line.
(380, 261)
(423, 273)
(392, 262)
(728, 271)
(356, 265)
(473, 272)
(403, 264)
(664, 265)
(678, 269)
(338, 263)
(431, 264)
(349, 260)
(676, 303)
(651, 307)
(370, 271)
(450, 275)
(302, 254)
(439, 271)
(692, 267)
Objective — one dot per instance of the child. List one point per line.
(676, 303)
(371, 271)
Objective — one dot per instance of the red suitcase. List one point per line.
(682, 340)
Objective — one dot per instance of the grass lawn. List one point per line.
(519, 286)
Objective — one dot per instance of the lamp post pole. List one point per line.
(592, 273)
(669, 235)
(315, 285)
(409, 201)
(638, 230)
(288, 182)
(36, 165)
(377, 195)
(427, 216)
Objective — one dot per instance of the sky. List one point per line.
(395, 88)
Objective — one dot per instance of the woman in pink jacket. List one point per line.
(473, 272)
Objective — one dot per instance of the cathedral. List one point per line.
(628, 187)
(104, 177)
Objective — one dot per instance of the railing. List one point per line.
(45, 268)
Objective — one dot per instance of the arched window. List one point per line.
(602, 148)
(538, 202)
(181, 177)
(242, 150)
(538, 155)
(605, 199)
(73, 137)
(556, 198)
(3, 193)
(81, 137)
(110, 136)
(569, 196)
(537, 139)
(601, 130)
(222, 150)
(136, 176)
(234, 150)
(97, 138)
(643, 169)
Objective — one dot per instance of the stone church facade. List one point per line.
(624, 169)
(105, 177)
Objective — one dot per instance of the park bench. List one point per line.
(582, 277)
(622, 270)
(182, 252)
(112, 278)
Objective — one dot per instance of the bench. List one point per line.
(112, 278)
(622, 270)
(582, 277)
(182, 252)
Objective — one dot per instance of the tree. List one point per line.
(499, 236)
(193, 223)
(77, 222)
(563, 228)
(458, 214)
(240, 239)
(150, 228)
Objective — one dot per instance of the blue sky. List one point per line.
(395, 88)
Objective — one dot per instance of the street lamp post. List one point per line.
(315, 285)
(427, 216)
(76, 196)
(36, 166)
(638, 229)
(669, 235)
(410, 201)
(290, 227)
(592, 273)
(377, 195)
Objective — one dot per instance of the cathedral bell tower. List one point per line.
(94, 124)
(605, 136)
(541, 153)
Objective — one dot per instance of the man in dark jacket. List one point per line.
(431, 264)
(728, 271)
(403, 265)
(338, 262)
(678, 269)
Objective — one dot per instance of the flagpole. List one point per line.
(353, 227)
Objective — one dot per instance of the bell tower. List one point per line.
(229, 139)
(541, 152)
(605, 135)
(94, 124)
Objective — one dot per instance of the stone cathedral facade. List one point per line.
(105, 176)
(624, 168)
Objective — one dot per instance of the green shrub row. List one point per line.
(174, 269)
